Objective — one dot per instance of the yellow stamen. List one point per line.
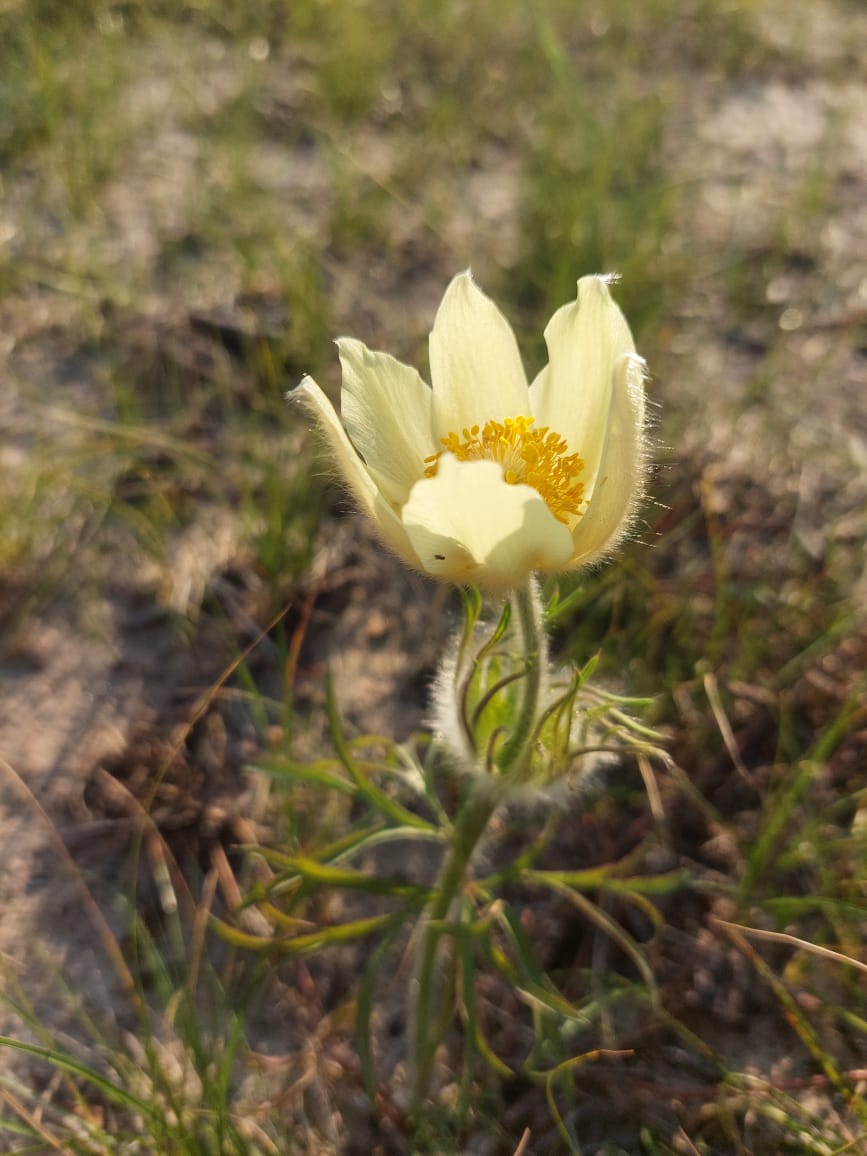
(534, 457)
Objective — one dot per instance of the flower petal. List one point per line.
(386, 409)
(572, 394)
(353, 471)
(476, 369)
(467, 524)
(623, 465)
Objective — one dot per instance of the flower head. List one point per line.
(481, 478)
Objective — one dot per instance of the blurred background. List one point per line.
(195, 199)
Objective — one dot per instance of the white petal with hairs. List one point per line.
(480, 478)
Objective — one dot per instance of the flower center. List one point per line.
(534, 457)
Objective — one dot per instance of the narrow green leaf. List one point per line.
(471, 1014)
(590, 879)
(526, 974)
(368, 790)
(589, 668)
(315, 773)
(323, 874)
(604, 879)
(565, 1134)
(374, 837)
(558, 607)
(67, 1064)
(787, 908)
(301, 944)
(614, 931)
(364, 1004)
(662, 884)
(499, 630)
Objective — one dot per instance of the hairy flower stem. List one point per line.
(511, 758)
(470, 825)
(482, 799)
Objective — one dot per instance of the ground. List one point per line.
(194, 204)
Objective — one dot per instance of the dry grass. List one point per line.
(195, 199)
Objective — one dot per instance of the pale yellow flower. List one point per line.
(483, 478)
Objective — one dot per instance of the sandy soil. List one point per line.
(104, 668)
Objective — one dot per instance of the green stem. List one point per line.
(470, 825)
(515, 749)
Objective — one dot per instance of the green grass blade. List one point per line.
(301, 944)
(321, 874)
(466, 950)
(67, 1063)
(371, 793)
(364, 1004)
